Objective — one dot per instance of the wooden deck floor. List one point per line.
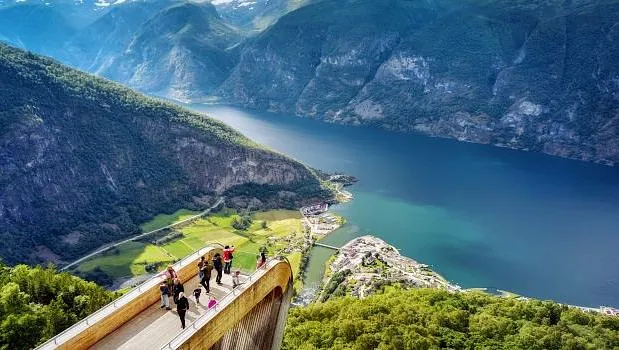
(155, 327)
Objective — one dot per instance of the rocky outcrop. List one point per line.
(84, 161)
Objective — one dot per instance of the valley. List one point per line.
(275, 232)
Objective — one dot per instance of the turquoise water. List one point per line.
(481, 216)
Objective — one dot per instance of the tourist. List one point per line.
(170, 276)
(178, 289)
(201, 262)
(236, 279)
(228, 259)
(165, 295)
(205, 274)
(218, 265)
(211, 302)
(181, 307)
(196, 294)
(261, 260)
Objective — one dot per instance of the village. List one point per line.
(367, 262)
(319, 221)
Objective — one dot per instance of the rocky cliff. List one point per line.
(541, 76)
(83, 161)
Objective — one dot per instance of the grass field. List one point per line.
(163, 220)
(129, 259)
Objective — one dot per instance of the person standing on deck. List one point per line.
(178, 289)
(205, 274)
(170, 276)
(228, 259)
(196, 294)
(201, 262)
(261, 260)
(165, 295)
(218, 265)
(236, 279)
(181, 307)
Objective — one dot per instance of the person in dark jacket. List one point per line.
(219, 266)
(181, 307)
(165, 295)
(178, 289)
(205, 274)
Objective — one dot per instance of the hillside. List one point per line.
(521, 74)
(437, 319)
(84, 161)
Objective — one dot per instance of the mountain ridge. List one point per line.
(85, 161)
(501, 73)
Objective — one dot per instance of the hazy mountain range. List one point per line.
(541, 76)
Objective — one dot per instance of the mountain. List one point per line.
(430, 318)
(540, 76)
(94, 47)
(255, 14)
(84, 161)
(36, 27)
(183, 52)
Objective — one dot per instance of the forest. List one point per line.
(437, 319)
(37, 303)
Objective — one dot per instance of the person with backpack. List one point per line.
(218, 265)
(228, 259)
(182, 306)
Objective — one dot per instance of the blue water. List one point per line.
(481, 216)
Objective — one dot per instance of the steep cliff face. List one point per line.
(521, 74)
(83, 161)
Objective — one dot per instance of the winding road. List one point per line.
(108, 246)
